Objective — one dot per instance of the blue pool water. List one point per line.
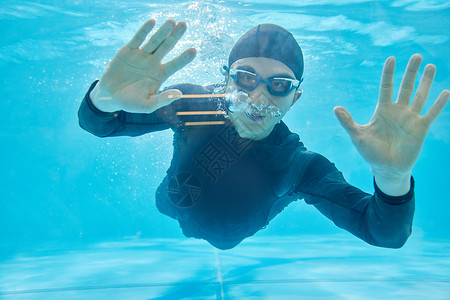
(77, 213)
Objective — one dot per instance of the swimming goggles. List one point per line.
(248, 81)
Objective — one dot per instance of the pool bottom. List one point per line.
(305, 267)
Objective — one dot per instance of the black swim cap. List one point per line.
(271, 41)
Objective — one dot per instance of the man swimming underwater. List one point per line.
(236, 165)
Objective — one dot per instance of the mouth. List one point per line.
(254, 118)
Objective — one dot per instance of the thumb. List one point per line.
(163, 99)
(345, 119)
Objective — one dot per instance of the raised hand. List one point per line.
(132, 79)
(391, 142)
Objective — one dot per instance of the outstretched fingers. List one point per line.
(141, 34)
(437, 108)
(155, 41)
(163, 99)
(387, 81)
(407, 85)
(179, 62)
(170, 41)
(346, 120)
(424, 88)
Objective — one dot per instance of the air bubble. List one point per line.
(239, 101)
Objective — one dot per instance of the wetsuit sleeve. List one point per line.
(121, 123)
(378, 219)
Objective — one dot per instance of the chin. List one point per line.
(250, 136)
(247, 133)
(247, 130)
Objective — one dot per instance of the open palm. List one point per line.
(132, 79)
(391, 142)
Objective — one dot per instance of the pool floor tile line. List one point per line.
(226, 283)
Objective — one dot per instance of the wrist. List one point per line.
(101, 100)
(392, 183)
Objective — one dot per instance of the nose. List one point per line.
(260, 95)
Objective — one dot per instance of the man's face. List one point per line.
(258, 128)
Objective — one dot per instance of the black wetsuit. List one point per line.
(224, 188)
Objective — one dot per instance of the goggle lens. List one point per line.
(281, 86)
(246, 80)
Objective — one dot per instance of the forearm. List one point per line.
(95, 121)
(379, 219)
(389, 218)
(121, 123)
